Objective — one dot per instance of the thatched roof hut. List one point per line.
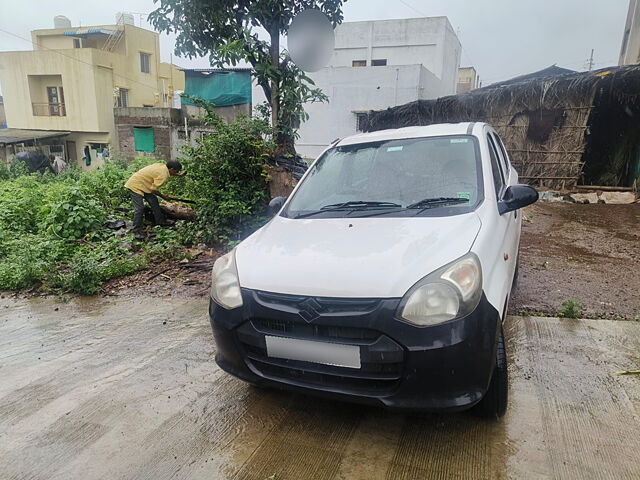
(561, 129)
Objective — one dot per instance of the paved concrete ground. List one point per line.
(128, 389)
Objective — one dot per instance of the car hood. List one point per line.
(351, 257)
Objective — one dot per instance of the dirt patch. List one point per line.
(186, 279)
(587, 253)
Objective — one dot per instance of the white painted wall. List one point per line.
(352, 90)
(423, 56)
(630, 49)
(402, 42)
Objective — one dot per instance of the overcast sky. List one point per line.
(501, 38)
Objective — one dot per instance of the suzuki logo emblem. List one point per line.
(310, 310)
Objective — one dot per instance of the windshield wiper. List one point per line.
(436, 202)
(422, 205)
(358, 203)
(351, 205)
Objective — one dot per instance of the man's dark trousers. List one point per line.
(138, 204)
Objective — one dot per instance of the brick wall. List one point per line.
(167, 123)
(162, 120)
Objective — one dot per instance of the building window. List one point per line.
(55, 95)
(379, 63)
(145, 62)
(47, 95)
(122, 99)
(144, 139)
(359, 63)
(361, 122)
(76, 43)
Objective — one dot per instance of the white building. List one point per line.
(630, 49)
(376, 65)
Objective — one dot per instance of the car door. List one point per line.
(509, 222)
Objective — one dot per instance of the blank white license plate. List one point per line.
(316, 352)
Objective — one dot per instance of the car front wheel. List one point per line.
(494, 403)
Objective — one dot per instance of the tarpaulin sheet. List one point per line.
(220, 88)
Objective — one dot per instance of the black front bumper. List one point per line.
(443, 367)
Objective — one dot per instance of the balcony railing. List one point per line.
(49, 109)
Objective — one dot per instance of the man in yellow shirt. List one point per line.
(145, 185)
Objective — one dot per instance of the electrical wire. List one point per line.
(414, 8)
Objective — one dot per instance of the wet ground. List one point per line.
(587, 253)
(127, 388)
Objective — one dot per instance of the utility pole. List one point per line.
(591, 61)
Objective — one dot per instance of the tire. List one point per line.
(494, 402)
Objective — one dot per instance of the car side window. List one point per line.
(498, 176)
(503, 155)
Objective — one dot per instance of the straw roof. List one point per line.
(541, 119)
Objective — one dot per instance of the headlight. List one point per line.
(452, 291)
(225, 285)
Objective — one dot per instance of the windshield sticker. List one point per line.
(466, 195)
(459, 140)
(394, 149)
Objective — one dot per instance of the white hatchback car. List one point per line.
(384, 278)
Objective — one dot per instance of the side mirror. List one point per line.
(276, 204)
(517, 196)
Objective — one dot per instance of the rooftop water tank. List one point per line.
(60, 21)
(124, 18)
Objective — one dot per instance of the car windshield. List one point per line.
(405, 177)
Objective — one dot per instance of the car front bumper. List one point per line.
(441, 367)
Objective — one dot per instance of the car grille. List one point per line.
(292, 329)
(382, 359)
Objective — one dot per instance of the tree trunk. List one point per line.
(275, 62)
(285, 144)
(177, 211)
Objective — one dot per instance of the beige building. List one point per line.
(3, 118)
(467, 79)
(74, 78)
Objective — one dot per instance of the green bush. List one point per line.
(52, 233)
(52, 227)
(570, 309)
(91, 266)
(20, 206)
(19, 272)
(73, 213)
(226, 177)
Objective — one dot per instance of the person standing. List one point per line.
(145, 185)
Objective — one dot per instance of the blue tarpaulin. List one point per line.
(220, 87)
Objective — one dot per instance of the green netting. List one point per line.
(220, 88)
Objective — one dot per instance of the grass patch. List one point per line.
(53, 236)
(570, 309)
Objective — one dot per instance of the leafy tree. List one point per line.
(226, 177)
(226, 31)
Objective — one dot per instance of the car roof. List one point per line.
(435, 130)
